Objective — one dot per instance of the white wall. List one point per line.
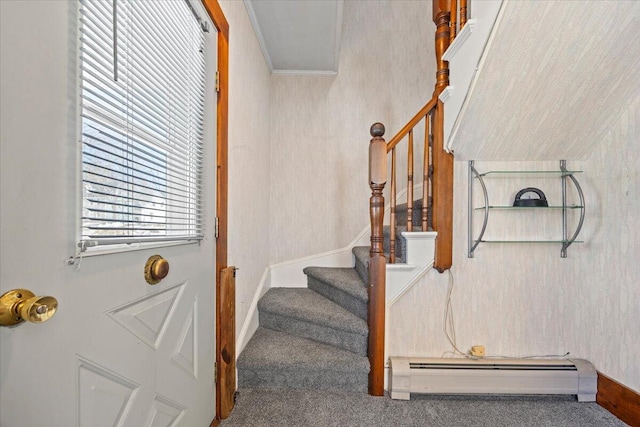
(249, 147)
(320, 127)
(530, 75)
(604, 316)
(524, 299)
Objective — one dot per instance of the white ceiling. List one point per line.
(554, 79)
(298, 36)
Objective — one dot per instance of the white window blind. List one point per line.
(142, 79)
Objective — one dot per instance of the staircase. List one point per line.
(319, 337)
(316, 337)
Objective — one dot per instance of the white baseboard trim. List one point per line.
(289, 274)
(386, 377)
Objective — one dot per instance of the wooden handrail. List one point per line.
(425, 222)
(412, 123)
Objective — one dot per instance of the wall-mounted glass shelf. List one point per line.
(565, 176)
(529, 207)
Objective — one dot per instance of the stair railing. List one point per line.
(427, 114)
(437, 188)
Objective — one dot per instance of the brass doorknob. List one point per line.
(155, 269)
(19, 305)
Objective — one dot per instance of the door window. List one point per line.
(142, 77)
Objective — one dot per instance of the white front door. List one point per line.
(118, 352)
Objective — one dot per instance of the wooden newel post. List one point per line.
(377, 260)
(442, 178)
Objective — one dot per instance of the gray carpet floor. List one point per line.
(289, 408)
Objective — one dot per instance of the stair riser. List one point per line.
(305, 380)
(341, 339)
(363, 270)
(349, 302)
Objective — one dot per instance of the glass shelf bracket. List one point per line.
(568, 242)
(473, 244)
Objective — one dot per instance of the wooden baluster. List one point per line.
(377, 260)
(392, 217)
(453, 29)
(463, 13)
(410, 183)
(425, 173)
(430, 209)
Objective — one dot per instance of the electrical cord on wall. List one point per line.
(450, 333)
(449, 323)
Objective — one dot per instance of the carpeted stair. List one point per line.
(315, 338)
(311, 338)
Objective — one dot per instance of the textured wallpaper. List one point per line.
(548, 60)
(249, 124)
(320, 124)
(523, 299)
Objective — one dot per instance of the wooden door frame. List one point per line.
(222, 183)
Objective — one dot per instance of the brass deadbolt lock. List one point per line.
(155, 269)
(21, 305)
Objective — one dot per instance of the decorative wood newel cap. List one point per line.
(377, 130)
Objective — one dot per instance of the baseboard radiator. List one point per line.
(492, 376)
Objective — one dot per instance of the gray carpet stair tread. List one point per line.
(344, 279)
(362, 256)
(309, 306)
(400, 229)
(274, 350)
